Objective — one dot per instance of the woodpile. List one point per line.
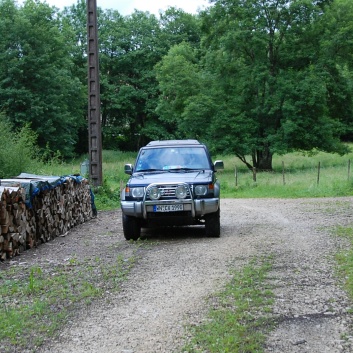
(36, 210)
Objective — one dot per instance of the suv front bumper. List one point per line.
(198, 207)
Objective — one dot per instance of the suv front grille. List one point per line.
(168, 192)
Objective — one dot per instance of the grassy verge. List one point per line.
(345, 259)
(37, 300)
(240, 316)
(294, 175)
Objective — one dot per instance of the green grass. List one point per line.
(239, 319)
(345, 259)
(300, 177)
(36, 300)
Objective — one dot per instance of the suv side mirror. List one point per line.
(218, 165)
(128, 169)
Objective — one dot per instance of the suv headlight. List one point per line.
(181, 192)
(154, 193)
(137, 192)
(201, 190)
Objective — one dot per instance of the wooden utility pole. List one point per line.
(94, 118)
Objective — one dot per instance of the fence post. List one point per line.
(236, 176)
(349, 169)
(318, 173)
(283, 176)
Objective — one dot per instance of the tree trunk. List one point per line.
(262, 159)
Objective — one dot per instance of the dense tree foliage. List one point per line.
(73, 26)
(249, 77)
(130, 49)
(276, 80)
(36, 81)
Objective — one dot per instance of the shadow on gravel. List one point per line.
(174, 233)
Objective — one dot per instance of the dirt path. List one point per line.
(169, 285)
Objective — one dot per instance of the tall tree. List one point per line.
(177, 26)
(181, 84)
(270, 83)
(37, 84)
(279, 74)
(337, 52)
(73, 26)
(130, 48)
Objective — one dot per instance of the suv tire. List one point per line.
(213, 224)
(131, 227)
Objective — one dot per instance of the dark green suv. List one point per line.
(172, 183)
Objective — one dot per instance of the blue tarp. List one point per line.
(34, 184)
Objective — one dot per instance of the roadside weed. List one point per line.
(37, 300)
(32, 282)
(344, 258)
(240, 315)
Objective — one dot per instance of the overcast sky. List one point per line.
(126, 7)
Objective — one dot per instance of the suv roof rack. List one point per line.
(173, 142)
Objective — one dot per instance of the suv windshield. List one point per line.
(169, 158)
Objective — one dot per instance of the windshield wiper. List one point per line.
(182, 169)
(150, 170)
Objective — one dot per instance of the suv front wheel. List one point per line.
(131, 227)
(213, 224)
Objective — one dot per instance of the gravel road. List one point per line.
(172, 279)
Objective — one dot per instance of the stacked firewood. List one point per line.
(18, 230)
(51, 211)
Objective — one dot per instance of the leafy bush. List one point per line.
(18, 150)
(106, 197)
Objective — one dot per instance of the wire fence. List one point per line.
(284, 172)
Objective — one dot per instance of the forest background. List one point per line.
(268, 83)
(250, 78)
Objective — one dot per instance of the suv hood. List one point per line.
(191, 177)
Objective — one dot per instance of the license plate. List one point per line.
(168, 208)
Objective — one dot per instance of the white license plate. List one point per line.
(168, 208)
